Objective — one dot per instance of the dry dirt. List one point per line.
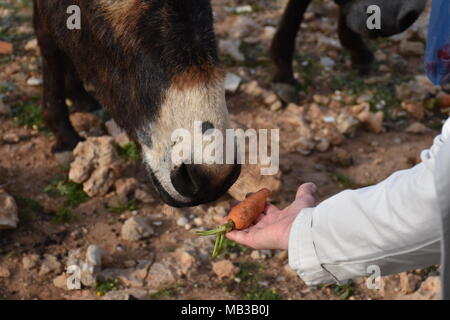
(28, 167)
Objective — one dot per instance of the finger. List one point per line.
(242, 237)
(305, 189)
(271, 209)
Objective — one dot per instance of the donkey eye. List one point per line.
(206, 125)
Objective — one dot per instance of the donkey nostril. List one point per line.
(183, 181)
(407, 19)
(206, 125)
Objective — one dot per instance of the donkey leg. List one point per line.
(283, 44)
(361, 57)
(56, 114)
(82, 100)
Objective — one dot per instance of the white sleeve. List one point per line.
(394, 225)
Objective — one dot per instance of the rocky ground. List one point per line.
(92, 217)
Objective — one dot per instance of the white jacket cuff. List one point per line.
(302, 252)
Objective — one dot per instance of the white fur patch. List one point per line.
(179, 110)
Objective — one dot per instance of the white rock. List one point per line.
(34, 81)
(94, 256)
(182, 221)
(136, 228)
(11, 137)
(232, 82)
(8, 211)
(95, 166)
(243, 9)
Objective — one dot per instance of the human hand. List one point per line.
(272, 228)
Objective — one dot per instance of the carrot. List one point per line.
(240, 217)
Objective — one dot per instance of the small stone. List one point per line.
(224, 269)
(4, 272)
(414, 109)
(276, 106)
(232, 82)
(182, 221)
(60, 281)
(270, 99)
(32, 45)
(30, 261)
(252, 88)
(198, 222)
(34, 81)
(243, 9)
(94, 256)
(96, 165)
(185, 261)
(50, 264)
(136, 228)
(160, 276)
(188, 226)
(417, 128)
(6, 47)
(11, 138)
(323, 145)
(255, 255)
(8, 211)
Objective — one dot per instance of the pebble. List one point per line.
(11, 137)
(243, 9)
(34, 81)
(231, 48)
(198, 222)
(417, 128)
(182, 221)
(30, 261)
(232, 82)
(224, 269)
(255, 255)
(60, 281)
(136, 228)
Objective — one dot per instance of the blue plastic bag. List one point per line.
(437, 54)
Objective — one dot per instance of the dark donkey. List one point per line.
(154, 66)
(396, 17)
